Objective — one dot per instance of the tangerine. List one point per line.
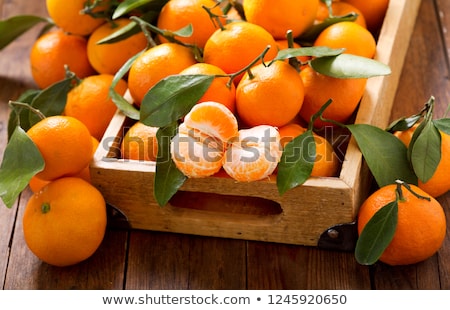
(91, 103)
(277, 17)
(326, 163)
(421, 225)
(219, 90)
(254, 155)
(65, 222)
(373, 11)
(177, 14)
(140, 143)
(108, 58)
(269, 95)
(72, 16)
(319, 88)
(51, 52)
(356, 39)
(340, 8)
(65, 144)
(155, 64)
(236, 45)
(199, 146)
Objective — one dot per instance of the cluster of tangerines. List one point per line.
(240, 124)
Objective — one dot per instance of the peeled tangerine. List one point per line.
(254, 155)
(209, 139)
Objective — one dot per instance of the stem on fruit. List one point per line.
(214, 17)
(45, 207)
(16, 104)
(247, 68)
(293, 61)
(399, 191)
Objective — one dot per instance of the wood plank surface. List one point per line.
(139, 259)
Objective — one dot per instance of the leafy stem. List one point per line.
(16, 106)
(247, 68)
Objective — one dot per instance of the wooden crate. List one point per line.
(319, 213)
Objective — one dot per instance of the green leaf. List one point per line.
(349, 66)
(297, 162)
(52, 100)
(121, 103)
(172, 98)
(426, 152)
(377, 234)
(20, 117)
(314, 51)
(21, 161)
(14, 27)
(127, 6)
(403, 123)
(168, 179)
(385, 155)
(184, 32)
(311, 34)
(121, 34)
(443, 125)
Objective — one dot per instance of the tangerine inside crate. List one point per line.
(321, 212)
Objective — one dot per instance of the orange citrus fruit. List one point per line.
(421, 226)
(199, 146)
(85, 174)
(155, 64)
(36, 184)
(52, 51)
(64, 142)
(326, 163)
(218, 91)
(254, 155)
(340, 8)
(356, 39)
(439, 183)
(278, 17)
(237, 45)
(271, 95)
(406, 135)
(177, 14)
(65, 222)
(140, 143)
(319, 88)
(90, 102)
(373, 11)
(108, 58)
(71, 16)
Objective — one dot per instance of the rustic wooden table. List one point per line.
(154, 260)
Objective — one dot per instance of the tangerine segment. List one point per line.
(213, 119)
(196, 155)
(254, 155)
(271, 95)
(421, 226)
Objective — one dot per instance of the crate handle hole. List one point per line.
(220, 203)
